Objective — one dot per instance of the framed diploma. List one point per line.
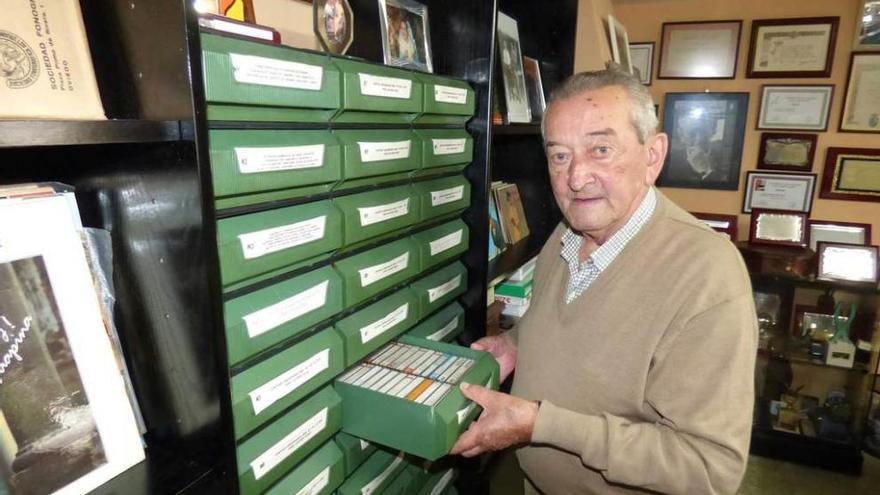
(846, 262)
(779, 191)
(861, 104)
(803, 107)
(776, 227)
(851, 174)
(802, 47)
(793, 152)
(699, 50)
(841, 232)
(642, 58)
(868, 26)
(724, 224)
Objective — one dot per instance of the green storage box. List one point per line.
(265, 317)
(442, 326)
(442, 197)
(269, 242)
(380, 405)
(441, 287)
(374, 475)
(447, 101)
(442, 243)
(366, 274)
(253, 166)
(372, 327)
(376, 213)
(445, 147)
(250, 81)
(373, 156)
(438, 482)
(355, 451)
(407, 482)
(377, 94)
(271, 386)
(320, 474)
(520, 289)
(273, 451)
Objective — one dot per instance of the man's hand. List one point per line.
(506, 420)
(503, 352)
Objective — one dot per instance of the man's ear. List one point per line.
(657, 145)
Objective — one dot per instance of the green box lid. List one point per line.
(371, 272)
(444, 147)
(378, 94)
(440, 244)
(372, 327)
(320, 474)
(441, 287)
(442, 326)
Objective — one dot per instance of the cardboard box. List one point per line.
(520, 289)
(372, 327)
(442, 326)
(445, 147)
(373, 156)
(367, 274)
(376, 213)
(443, 243)
(354, 450)
(441, 287)
(378, 94)
(447, 101)
(321, 473)
(374, 475)
(443, 197)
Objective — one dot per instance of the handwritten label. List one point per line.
(263, 242)
(448, 94)
(385, 87)
(270, 317)
(443, 332)
(443, 483)
(257, 160)
(371, 487)
(13, 337)
(379, 327)
(446, 288)
(375, 214)
(381, 151)
(289, 444)
(317, 484)
(376, 273)
(448, 241)
(250, 69)
(445, 196)
(287, 382)
(448, 146)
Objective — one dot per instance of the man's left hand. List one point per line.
(506, 420)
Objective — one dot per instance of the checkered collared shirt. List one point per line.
(581, 275)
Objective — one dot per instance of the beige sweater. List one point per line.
(647, 377)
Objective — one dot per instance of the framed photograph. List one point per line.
(705, 139)
(841, 232)
(333, 23)
(793, 152)
(802, 108)
(723, 224)
(861, 103)
(779, 191)
(532, 71)
(406, 41)
(802, 47)
(798, 329)
(512, 74)
(851, 174)
(846, 262)
(619, 42)
(642, 58)
(868, 26)
(699, 50)
(778, 228)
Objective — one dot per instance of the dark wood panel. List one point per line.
(21, 133)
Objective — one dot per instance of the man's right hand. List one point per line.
(502, 350)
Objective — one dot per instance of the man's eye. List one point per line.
(602, 150)
(558, 157)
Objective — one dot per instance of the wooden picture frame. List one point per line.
(699, 49)
(795, 47)
(784, 107)
(721, 223)
(778, 228)
(406, 35)
(851, 174)
(841, 262)
(779, 191)
(861, 99)
(840, 232)
(642, 58)
(786, 151)
(867, 32)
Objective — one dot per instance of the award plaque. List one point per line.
(840, 232)
(851, 174)
(783, 228)
(786, 151)
(723, 224)
(846, 262)
(778, 191)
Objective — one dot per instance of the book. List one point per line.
(510, 210)
(225, 25)
(496, 238)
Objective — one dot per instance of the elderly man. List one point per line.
(635, 363)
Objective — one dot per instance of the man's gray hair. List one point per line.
(643, 115)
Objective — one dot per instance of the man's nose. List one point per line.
(580, 173)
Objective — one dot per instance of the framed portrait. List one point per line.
(642, 58)
(784, 151)
(705, 139)
(512, 74)
(842, 232)
(723, 224)
(333, 23)
(532, 71)
(779, 191)
(861, 103)
(406, 41)
(803, 107)
(778, 228)
(699, 50)
(851, 174)
(846, 262)
(802, 47)
(868, 26)
(619, 42)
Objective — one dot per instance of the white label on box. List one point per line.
(263, 242)
(256, 160)
(448, 94)
(364, 444)
(370, 487)
(249, 69)
(379, 327)
(385, 150)
(446, 288)
(447, 195)
(386, 87)
(448, 146)
(289, 444)
(462, 413)
(260, 322)
(317, 484)
(443, 332)
(375, 214)
(446, 242)
(443, 483)
(376, 273)
(285, 383)
(236, 28)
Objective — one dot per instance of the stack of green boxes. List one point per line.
(338, 230)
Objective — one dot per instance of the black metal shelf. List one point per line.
(29, 133)
(813, 451)
(533, 129)
(514, 256)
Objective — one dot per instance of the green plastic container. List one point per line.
(320, 474)
(372, 327)
(374, 475)
(373, 156)
(442, 243)
(445, 147)
(367, 274)
(440, 288)
(442, 197)
(442, 326)
(354, 450)
(376, 213)
(377, 94)
(447, 101)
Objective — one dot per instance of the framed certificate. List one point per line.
(803, 107)
(699, 50)
(851, 174)
(841, 232)
(846, 262)
(779, 191)
(724, 224)
(783, 151)
(802, 47)
(776, 227)
(642, 58)
(868, 26)
(861, 104)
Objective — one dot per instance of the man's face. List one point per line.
(598, 169)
